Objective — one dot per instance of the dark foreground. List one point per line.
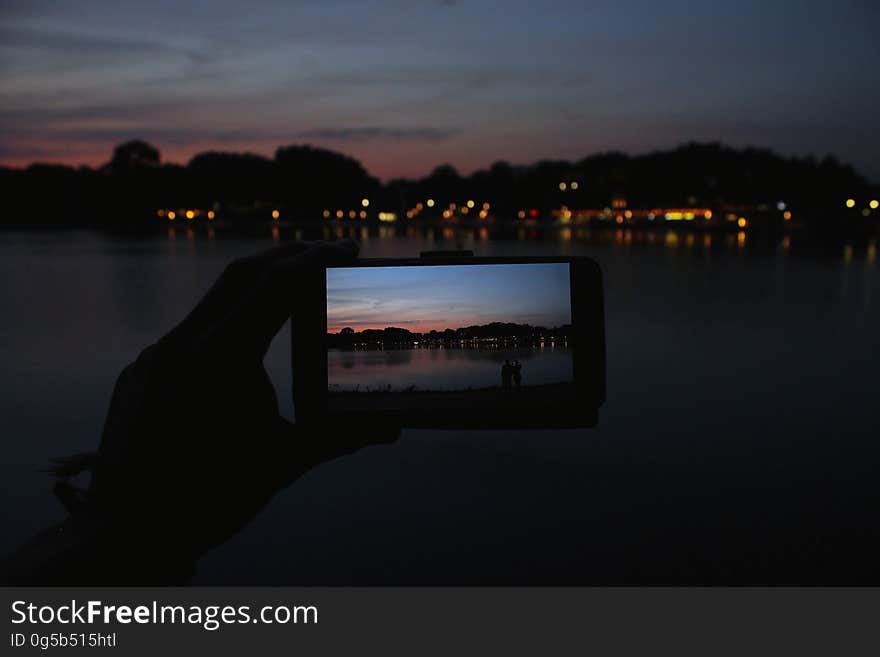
(738, 444)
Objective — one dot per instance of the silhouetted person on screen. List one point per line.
(516, 370)
(506, 374)
(193, 445)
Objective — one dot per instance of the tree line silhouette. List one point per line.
(392, 336)
(305, 181)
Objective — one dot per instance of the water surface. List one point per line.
(739, 436)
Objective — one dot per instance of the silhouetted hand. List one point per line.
(194, 445)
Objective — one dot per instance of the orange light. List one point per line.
(619, 219)
(786, 215)
(741, 222)
(707, 214)
(275, 214)
(171, 215)
(339, 214)
(363, 214)
(160, 213)
(521, 214)
(210, 214)
(628, 214)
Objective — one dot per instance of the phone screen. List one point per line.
(449, 336)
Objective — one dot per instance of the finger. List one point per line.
(250, 327)
(237, 278)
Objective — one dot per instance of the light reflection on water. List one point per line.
(443, 369)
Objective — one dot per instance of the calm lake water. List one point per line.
(738, 442)
(443, 369)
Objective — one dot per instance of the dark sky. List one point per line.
(404, 86)
(426, 298)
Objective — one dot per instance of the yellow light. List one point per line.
(562, 187)
(387, 216)
(339, 214)
(430, 202)
(707, 214)
(470, 204)
(190, 214)
(874, 204)
(365, 202)
(741, 238)
(850, 203)
(326, 213)
(741, 222)
(574, 184)
(210, 214)
(786, 215)
(275, 214)
(171, 215)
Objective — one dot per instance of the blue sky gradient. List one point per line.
(425, 298)
(406, 85)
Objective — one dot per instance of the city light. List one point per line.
(160, 213)
(780, 206)
(707, 214)
(574, 184)
(470, 203)
(562, 187)
(365, 202)
(874, 204)
(326, 213)
(210, 214)
(742, 222)
(786, 215)
(430, 202)
(275, 214)
(387, 216)
(363, 214)
(171, 215)
(190, 214)
(339, 214)
(850, 203)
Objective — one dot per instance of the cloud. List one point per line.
(366, 133)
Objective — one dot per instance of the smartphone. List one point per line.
(453, 341)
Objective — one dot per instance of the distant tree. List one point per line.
(135, 154)
(347, 331)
